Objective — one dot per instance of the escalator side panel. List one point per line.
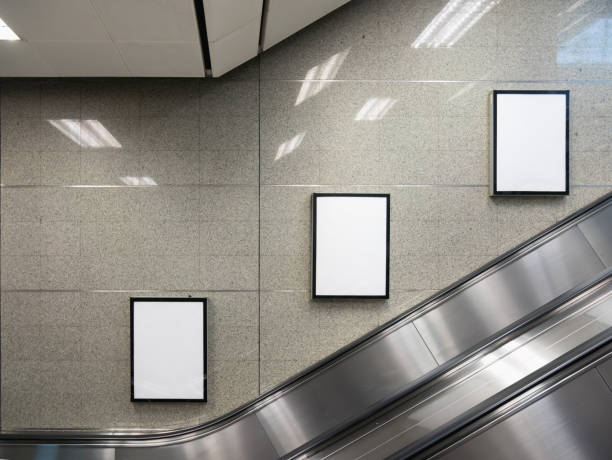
(508, 294)
(436, 408)
(571, 423)
(605, 370)
(598, 232)
(243, 440)
(56, 452)
(347, 390)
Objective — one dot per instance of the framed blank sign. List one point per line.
(530, 143)
(168, 338)
(350, 245)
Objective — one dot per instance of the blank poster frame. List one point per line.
(204, 302)
(493, 188)
(315, 196)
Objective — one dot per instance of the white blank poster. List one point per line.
(350, 245)
(530, 142)
(168, 349)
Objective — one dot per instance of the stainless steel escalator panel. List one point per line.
(347, 389)
(605, 371)
(598, 232)
(482, 378)
(242, 440)
(510, 293)
(571, 423)
(282, 425)
(56, 452)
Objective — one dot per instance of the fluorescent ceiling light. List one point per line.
(375, 108)
(6, 33)
(86, 133)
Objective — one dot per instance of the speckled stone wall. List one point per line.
(204, 189)
(166, 207)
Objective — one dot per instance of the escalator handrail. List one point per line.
(592, 351)
(508, 333)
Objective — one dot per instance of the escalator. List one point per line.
(565, 417)
(546, 286)
(412, 425)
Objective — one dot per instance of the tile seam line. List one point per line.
(259, 220)
(186, 290)
(157, 187)
(1, 290)
(366, 80)
(128, 290)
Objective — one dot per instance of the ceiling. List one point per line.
(146, 38)
(115, 38)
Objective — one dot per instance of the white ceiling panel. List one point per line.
(20, 59)
(82, 59)
(225, 16)
(163, 59)
(235, 49)
(149, 20)
(50, 20)
(145, 38)
(78, 38)
(233, 28)
(285, 17)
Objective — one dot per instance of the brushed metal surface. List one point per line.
(482, 378)
(389, 361)
(347, 390)
(598, 232)
(243, 440)
(510, 293)
(571, 423)
(56, 452)
(605, 370)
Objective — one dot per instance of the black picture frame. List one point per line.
(204, 302)
(494, 191)
(315, 196)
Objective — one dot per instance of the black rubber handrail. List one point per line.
(203, 429)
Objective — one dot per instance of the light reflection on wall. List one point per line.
(593, 45)
(325, 71)
(135, 180)
(576, 5)
(289, 146)
(375, 108)
(6, 33)
(86, 133)
(452, 22)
